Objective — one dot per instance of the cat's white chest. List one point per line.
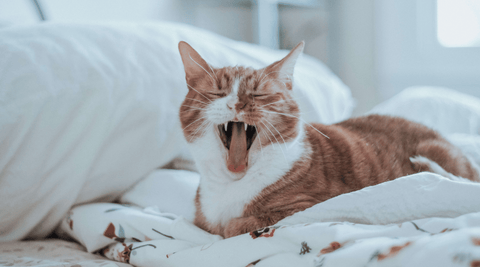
(223, 198)
(220, 203)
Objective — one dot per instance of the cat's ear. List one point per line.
(287, 64)
(284, 68)
(195, 66)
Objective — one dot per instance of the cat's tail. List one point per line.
(476, 168)
(424, 164)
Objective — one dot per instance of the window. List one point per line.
(458, 23)
(427, 42)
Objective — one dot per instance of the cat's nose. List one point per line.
(232, 102)
(239, 106)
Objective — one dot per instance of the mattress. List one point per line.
(51, 252)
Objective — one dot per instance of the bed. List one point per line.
(94, 170)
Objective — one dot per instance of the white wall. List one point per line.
(352, 49)
(107, 10)
(17, 12)
(23, 11)
(234, 22)
(307, 24)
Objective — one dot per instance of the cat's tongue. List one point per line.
(237, 154)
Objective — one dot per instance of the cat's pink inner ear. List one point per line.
(286, 66)
(193, 63)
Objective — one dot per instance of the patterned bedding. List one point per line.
(412, 221)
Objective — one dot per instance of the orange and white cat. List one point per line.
(259, 162)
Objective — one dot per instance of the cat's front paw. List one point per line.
(241, 225)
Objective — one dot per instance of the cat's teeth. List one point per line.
(246, 125)
(226, 126)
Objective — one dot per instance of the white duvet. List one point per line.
(418, 220)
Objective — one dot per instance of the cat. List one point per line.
(259, 162)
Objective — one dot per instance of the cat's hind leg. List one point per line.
(422, 163)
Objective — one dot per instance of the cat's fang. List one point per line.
(226, 126)
(246, 125)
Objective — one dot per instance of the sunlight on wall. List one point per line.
(458, 23)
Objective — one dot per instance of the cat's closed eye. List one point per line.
(260, 95)
(218, 94)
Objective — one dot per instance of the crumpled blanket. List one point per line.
(418, 220)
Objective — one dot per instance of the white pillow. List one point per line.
(87, 110)
(441, 109)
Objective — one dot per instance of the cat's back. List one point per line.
(377, 148)
(393, 129)
(375, 129)
(368, 149)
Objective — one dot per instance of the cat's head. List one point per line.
(247, 109)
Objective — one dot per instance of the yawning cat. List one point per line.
(259, 162)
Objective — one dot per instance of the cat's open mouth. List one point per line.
(237, 137)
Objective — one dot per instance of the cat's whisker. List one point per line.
(259, 138)
(283, 100)
(203, 117)
(264, 134)
(281, 149)
(196, 100)
(279, 101)
(299, 113)
(285, 143)
(306, 112)
(271, 141)
(190, 109)
(196, 108)
(299, 119)
(192, 135)
(212, 71)
(199, 92)
(263, 77)
(204, 129)
(262, 74)
(199, 127)
(203, 69)
(276, 102)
